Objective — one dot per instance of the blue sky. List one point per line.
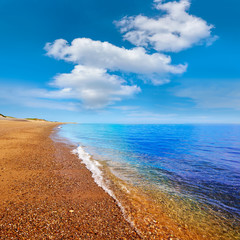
(137, 61)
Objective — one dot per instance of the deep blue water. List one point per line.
(201, 162)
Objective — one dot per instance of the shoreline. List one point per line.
(48, 193)
(154, 213)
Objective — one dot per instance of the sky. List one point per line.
(121, 61)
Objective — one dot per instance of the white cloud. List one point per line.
(94, 81)
(173, 31)
(93, 86)
(87, 52)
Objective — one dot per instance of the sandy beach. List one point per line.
(47, 193)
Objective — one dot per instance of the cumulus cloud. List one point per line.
(105, 55)
(173, 31)
(94, 80)
(93, 86)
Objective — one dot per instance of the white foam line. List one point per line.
(93, 167)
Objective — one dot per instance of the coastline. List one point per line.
(47, 193)
(155, 213)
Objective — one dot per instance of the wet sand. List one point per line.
(47, 193)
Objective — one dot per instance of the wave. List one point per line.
(94, 167)
(155, 216)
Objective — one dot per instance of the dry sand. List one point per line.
(47, 193)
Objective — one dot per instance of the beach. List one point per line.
(50, 189)
(47, 193)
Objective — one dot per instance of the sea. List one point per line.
(180, 181)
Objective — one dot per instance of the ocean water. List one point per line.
(197, 167)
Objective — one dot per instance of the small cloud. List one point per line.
(173, 31)
(94, 87)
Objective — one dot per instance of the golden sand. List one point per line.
(47, 193)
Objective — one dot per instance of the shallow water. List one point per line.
(193, 170)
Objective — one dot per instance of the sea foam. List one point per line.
(94, 167)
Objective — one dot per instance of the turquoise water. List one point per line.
(200, 162)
